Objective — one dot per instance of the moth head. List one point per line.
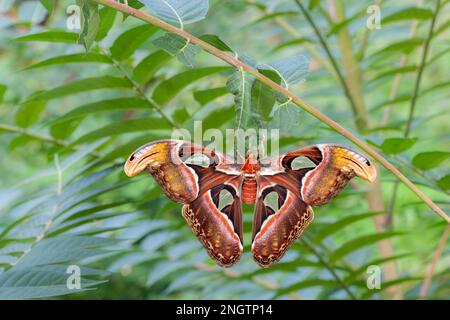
(251, 163)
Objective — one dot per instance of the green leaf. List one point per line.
(83, 85)
(64, 130)
(272, 16)
(291, 70)
(413, 13)
(435, 87)
(102, 106)
(90, 23)
(125, 44)
(340, 224)
(51, 36)
(3, 89)
(215, 41)
(430, 160)
(62, 249)
(359, 243)
(179, 47)
(263, 97)
(49, 5)
(395, 71)
(147, 68)
(444, 182)
(291, 43)
(397, 145)
(344, 23)
(205, 96)
(308, 283)
(218, 117)
(168, 89)
(182, 12)
(240, 85)
(107, 18)
(43, 282)
(126, 126)
(405, 46)
(29, 112)
(89, 57)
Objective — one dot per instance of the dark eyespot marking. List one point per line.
(132, 157)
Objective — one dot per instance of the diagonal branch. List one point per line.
(230, 59)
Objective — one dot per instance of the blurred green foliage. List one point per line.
(70, 118)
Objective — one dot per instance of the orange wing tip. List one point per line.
(144, 157)
(362, 167)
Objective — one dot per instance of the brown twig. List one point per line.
(436, 256)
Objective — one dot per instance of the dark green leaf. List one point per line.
(359, 243)
(107, 18)
(397, 145)
(205, 96)
(179, 47)
(49, 5)
(240, 85)
(334, 227)
(3, 89)
(182, 12)
(147, 68)
(215, 41)
(29, 112)
(405, 46)
(89, 57)
(51, 36)
(125, 45)
(101, 106)
(122, 127)
(430, 160)
(413, 13)
(395, 71)
(444, 182)
(77, 86)
(90, 22)
(168, 89)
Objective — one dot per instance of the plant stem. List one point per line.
(41, 137)
(420, 71)
(230, 59)
(25, 132)
(139, 90)
(422, 65)
(328, 267)
(360, 122)
(295, 34)
(436, 256)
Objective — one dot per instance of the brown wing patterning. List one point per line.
(275, 230)
(198, 188)
(336, 165)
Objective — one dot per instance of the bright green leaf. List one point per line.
(147, 68)
(179, 47)
(413, 13)
(127, 43)
(168, 89)
(51, 36)
(430, 160)
(205, 96)
(397, 145)
(89, 57)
